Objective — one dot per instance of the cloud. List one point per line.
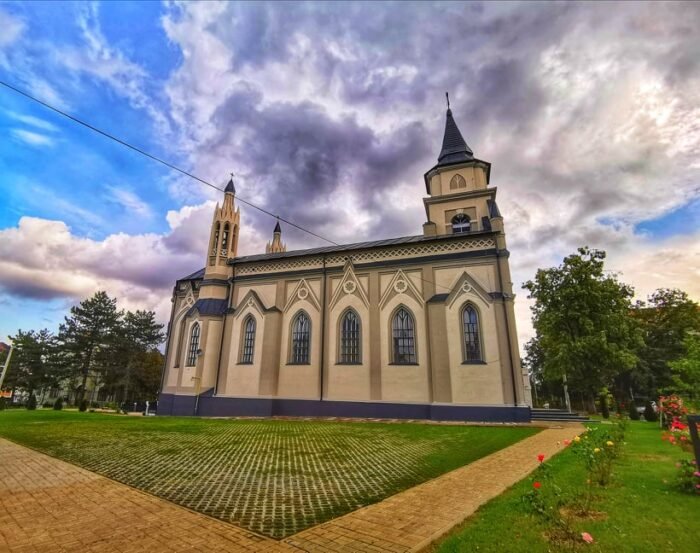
(32, 121)
(129, 201)
(331, 114)
(32, 138)
(44, 259)
(12, 29)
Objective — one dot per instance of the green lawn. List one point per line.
(275, 477)
(641, 511)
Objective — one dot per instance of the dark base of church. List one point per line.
(214, 406)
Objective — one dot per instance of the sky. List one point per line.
(329, 114)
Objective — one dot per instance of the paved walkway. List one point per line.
(49, 505)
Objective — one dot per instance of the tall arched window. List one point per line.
(350, 338)
(403, 339)
(472, 341)
(248, 340)
(194, 346)
(224, 240)
(301, 335)
(461, 223)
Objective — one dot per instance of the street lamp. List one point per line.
(198, 386)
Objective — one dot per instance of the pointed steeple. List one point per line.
(230, 187)
(276, 246)
(454, 147)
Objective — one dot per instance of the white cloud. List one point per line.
(12, 29)
(32, 138)
(32, 121)
(130, 201)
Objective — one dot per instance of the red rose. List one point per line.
(540, 457)
(537, 485)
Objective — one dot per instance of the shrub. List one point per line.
(649, 413)
(634, 414)
(31, 402)
(2, 403)
(671, 408)
(58, 404)
(83, 406)
(688, 476)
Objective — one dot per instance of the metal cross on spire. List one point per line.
(447, 96)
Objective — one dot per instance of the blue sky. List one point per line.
(329, 114)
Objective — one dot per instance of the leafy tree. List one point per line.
(649, 413)
(582, 322)
(686, 370)
(89, 337)
(35, 362)
(58, 404)
(633, 413)
(31, 402)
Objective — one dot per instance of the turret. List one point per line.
(276, 246)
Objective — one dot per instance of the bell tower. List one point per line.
(223, 240)
(459, 198)
(276, 246)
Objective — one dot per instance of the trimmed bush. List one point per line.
(634, 414)
(604, 409)
(58, 404)
(31, 402)
(2, 403)
(649, 413)
(83, 406)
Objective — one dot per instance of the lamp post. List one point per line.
(198, 385)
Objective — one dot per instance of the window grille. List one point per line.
(350, 338)
(472, 345)
(301, 332)
(248, 340)
(194, 346)
(404, 347)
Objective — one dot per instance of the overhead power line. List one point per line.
(157, 159)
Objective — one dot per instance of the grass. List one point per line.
(641, 511)
(275, 477)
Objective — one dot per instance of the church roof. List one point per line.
(454, 147)
(230, 187)
(209, 306)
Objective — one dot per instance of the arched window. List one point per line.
(215, 244)
(461, 223)
(472, 341)
(194, 346)
(224, 240)
(301, 334)
(248, 340)
(350, 338)
(457, 182)
(403, 339)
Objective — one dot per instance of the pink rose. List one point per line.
(587, 537)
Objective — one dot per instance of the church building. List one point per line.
(420, 327)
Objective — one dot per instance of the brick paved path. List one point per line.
(411, 520)
(49, 505)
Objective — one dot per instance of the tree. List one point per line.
(582, 322)
(686, 370)
(35, 362)
(666, 320)
(89, 337)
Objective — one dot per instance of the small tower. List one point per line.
(276, 246)
(223, 241)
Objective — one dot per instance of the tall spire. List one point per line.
(454, 147)
(276, 246)
(230, 187)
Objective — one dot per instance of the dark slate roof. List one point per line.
(194, 276)
(277, 227)
(351, 247)
(454, 147)
(230, 187)
(209, 306)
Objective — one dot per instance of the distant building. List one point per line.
(414, 327)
